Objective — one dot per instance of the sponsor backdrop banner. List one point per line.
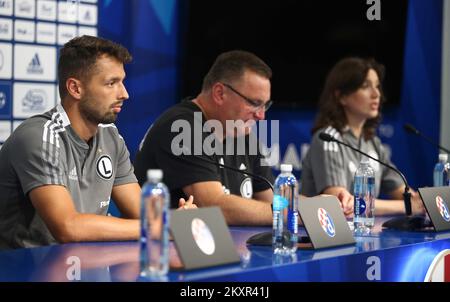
(31, 32)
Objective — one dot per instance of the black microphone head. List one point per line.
(326, 137)
(410, 128)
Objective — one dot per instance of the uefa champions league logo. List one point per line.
(442, 207)
(326, 222)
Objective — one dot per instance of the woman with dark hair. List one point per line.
(350, 110)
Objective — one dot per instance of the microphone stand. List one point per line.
(411, 129)
(408, 223)
(237, 170)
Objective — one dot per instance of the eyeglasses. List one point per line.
(256, 105)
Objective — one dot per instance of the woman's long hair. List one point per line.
(346, 77)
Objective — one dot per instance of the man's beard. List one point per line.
(92, 114)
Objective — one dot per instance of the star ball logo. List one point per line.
(442, 207)
(326, 222)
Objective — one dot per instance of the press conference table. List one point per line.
(383, 256)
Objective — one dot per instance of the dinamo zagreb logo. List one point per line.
(442, 207)
(326, 222)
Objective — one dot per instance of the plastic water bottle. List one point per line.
(440, 172)
(154, 239)
(285, 215)
(364, 194)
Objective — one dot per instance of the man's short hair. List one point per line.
(231, 65)
(77, 58)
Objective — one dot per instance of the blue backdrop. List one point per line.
(152, 31)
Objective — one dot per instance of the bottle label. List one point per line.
(279, 203)
(293, 221)
(360, 205)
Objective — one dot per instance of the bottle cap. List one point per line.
(154, 175)
(286, 168)
(443, 157)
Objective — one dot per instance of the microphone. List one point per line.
(410, 128)
(328, 138)
(403, 223)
